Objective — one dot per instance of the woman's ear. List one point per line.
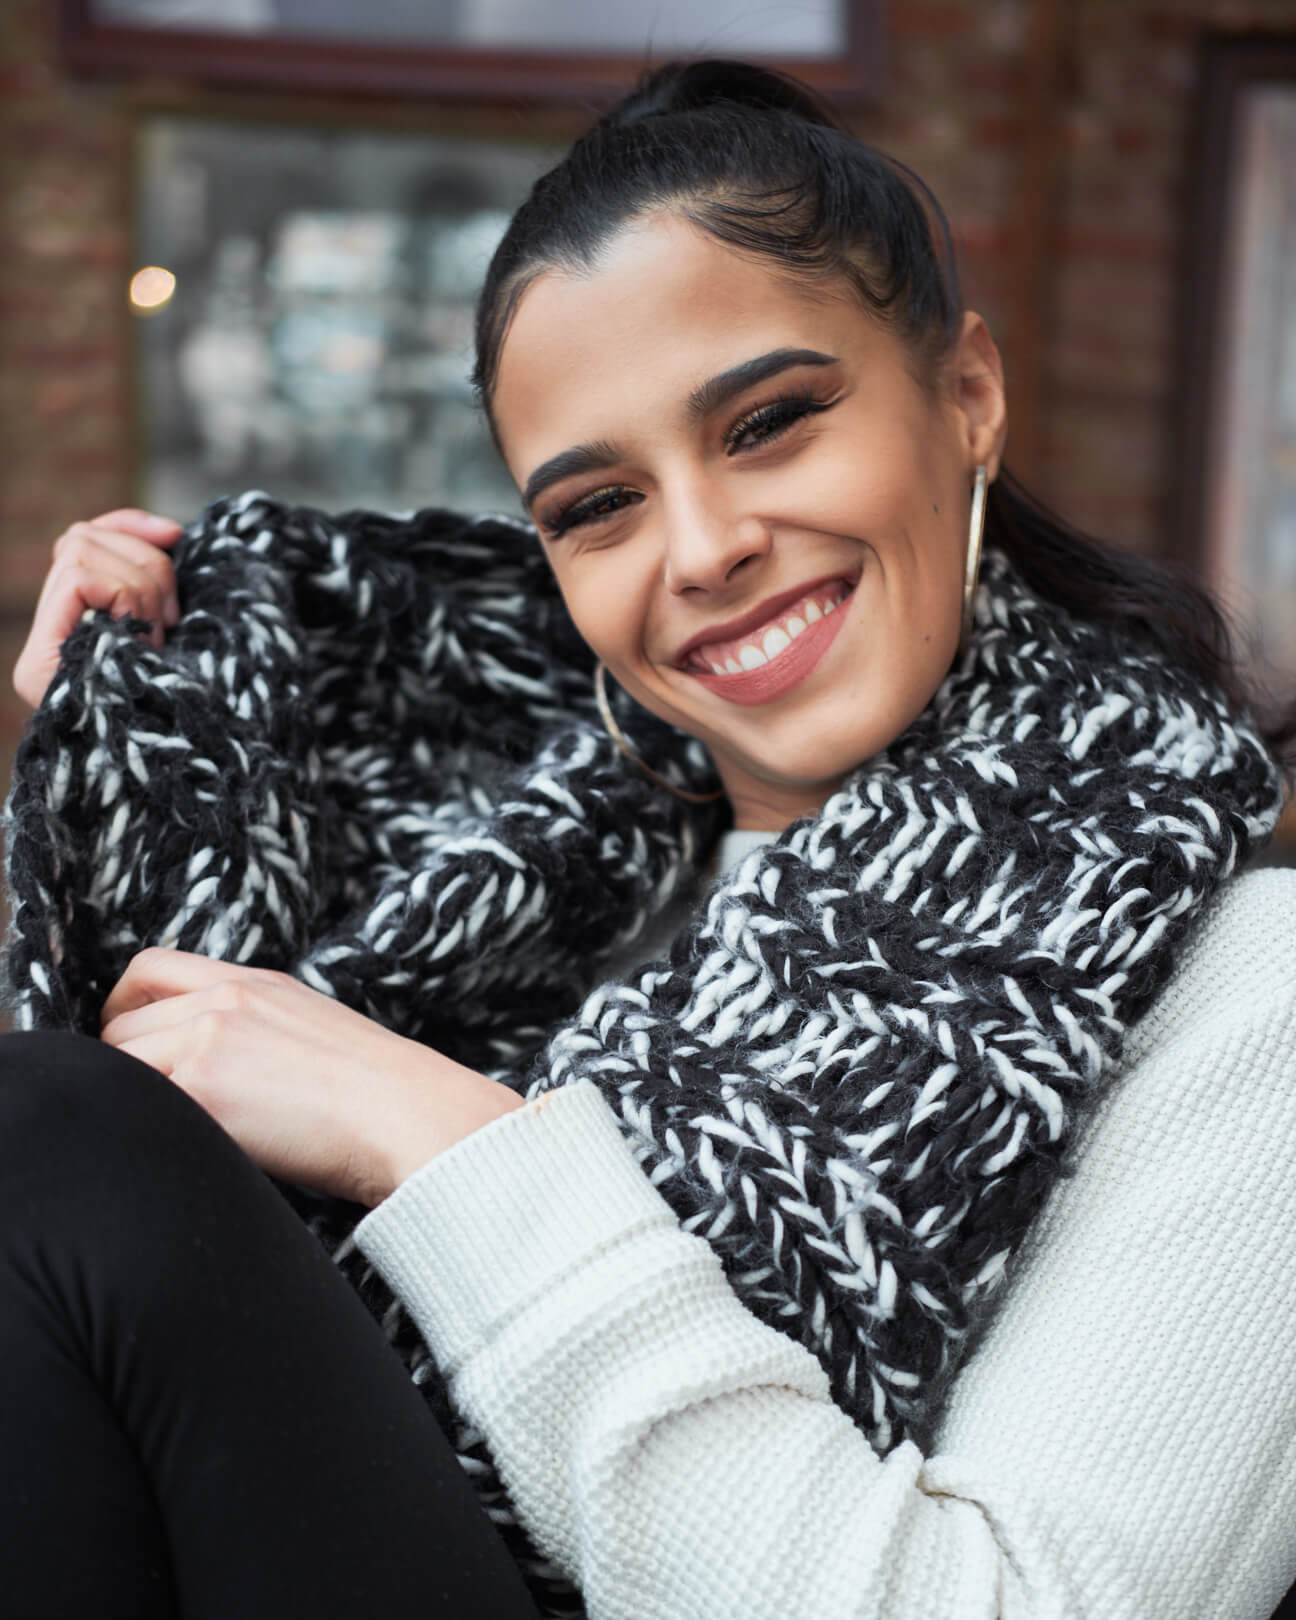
(976, 376)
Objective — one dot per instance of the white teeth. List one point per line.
(775, 641)
(779, 638)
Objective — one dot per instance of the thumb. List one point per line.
(162, 531)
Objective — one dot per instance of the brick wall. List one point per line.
(64, 385)
(955, 109)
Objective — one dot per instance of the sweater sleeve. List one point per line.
(1122, 1445)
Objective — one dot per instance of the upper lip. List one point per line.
(770, 608)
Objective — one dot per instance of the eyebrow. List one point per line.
(707, 397)
(720, 389)
(567, 464)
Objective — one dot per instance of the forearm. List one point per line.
(430, 1103)
(1119, 1447)
(675, 1456)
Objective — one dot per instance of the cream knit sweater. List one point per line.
(1122, 1445)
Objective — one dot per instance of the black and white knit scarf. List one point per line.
(369, 755)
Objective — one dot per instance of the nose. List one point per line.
(708, 543)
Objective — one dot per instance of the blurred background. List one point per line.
(241, 240)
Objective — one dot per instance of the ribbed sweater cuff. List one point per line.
(499, 1218)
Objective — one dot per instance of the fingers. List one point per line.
(150, 526)
(156, 974)
(155, 1017)
(187, 1028)
(166, 1032)
(119, 563)
(144, 572)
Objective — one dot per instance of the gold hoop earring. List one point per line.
(972, 565)
(618, 737)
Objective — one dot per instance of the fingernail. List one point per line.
(161, 523)
(171, 610)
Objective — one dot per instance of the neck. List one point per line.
(767, 807)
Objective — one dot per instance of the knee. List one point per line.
(99, 1153)
(60, 1065)
(62, 1094)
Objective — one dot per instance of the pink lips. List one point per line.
(788, 669)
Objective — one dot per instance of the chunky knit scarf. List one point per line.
(369, 755)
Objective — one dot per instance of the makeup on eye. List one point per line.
(557, 520)
(776, 416)
(705, 399)
(770, 420)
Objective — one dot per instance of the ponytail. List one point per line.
(756, 160)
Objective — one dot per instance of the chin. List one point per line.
(828, 733)
(807, 765)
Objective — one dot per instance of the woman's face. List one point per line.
(756, 513)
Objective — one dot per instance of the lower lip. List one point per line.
(769, 681)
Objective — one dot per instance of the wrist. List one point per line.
(437, 1103)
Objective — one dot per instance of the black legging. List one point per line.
(197, 1415)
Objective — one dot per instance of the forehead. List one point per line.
(594, 354)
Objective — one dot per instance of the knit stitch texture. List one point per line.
(369, 755)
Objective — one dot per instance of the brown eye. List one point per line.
(769, 421)
(591, 508)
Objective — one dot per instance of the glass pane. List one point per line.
(1254, 516)
(318, 341)
(811, 28)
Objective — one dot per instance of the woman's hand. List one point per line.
(313, 1092)
(117, 561)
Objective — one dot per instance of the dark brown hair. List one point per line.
(754, 159)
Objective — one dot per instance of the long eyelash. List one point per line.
(776, 416)
(558, 519)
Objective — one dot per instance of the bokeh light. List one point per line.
(151, 288)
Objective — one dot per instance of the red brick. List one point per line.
(953, 110)
(931, 20)
(1148, 247)
(997, 130)
(1003, 77)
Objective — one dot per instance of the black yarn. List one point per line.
(369, 755)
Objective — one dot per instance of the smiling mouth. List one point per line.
(766, 644)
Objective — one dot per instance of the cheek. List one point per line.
(602, 599)
(924, 604)
(889, 483)
(611, 602)
(922, 534)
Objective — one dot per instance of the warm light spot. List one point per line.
(151, 287)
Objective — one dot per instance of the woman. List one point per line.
(977, 830)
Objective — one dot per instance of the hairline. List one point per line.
(829, 283)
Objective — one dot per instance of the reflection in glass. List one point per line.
(807, 29)
(319, 339)
(1253, 517)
